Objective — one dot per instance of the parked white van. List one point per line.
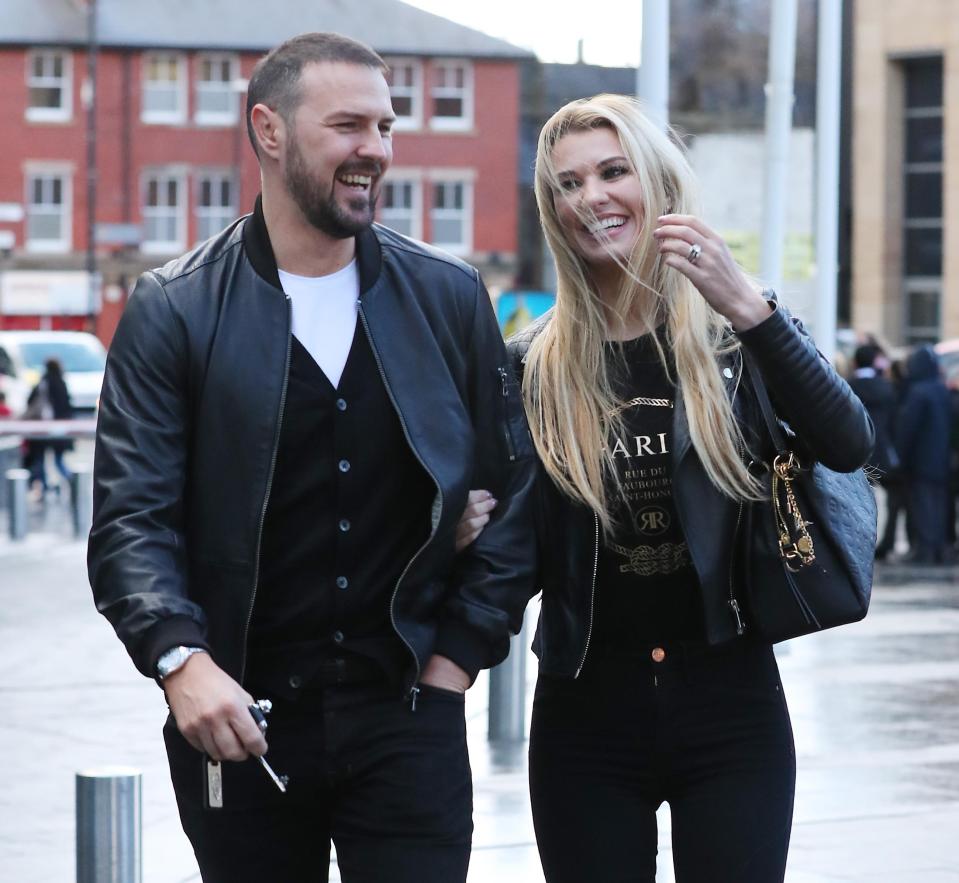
(22, 357)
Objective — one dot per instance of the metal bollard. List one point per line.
(109, 822)
(18, 480)
(507, 694)
(81, 501)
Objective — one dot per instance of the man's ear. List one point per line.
(269, 129)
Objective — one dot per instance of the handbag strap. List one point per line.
(765, 405)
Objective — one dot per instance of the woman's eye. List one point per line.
(615, 172)
(568, 184)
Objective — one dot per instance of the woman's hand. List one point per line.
(701, 255)
(475, 517)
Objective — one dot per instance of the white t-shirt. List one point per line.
(324, 315)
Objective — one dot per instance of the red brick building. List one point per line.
(173, 164)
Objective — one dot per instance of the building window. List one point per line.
(922, 200)
(405, 79)
(216, 91)
(451, 92)
(49, 85)
(163, 215)
(164, 88)
(48, 211)
(401, 207)
(215, 203)
(451, 216)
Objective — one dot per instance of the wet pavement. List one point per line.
(875, 709)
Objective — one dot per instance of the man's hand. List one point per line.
(476, 515)
(212, 711)
(445, 674)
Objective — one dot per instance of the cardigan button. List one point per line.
(658, 654)
(344, 465)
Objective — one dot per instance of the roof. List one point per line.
(389, 26)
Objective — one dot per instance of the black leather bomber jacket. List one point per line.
(830, 424)
(188, 428)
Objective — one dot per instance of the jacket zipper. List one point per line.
(269, 480)
(592, 595)
(414, 690)
(510, 446)
(733, 602)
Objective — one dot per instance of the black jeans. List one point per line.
(707, 732)
(389, 785)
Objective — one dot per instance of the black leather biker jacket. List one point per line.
(831, 426)
(188, 428)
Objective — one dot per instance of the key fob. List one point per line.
(212, 784)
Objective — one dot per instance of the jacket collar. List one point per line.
(256, 239)
(682, 442)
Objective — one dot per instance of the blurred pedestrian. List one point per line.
(649, 688)
(922, 440)
(877, 393)
(290, 418)
(48, 400)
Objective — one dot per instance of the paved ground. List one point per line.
(875, 709)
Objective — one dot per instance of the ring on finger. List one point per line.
(695, 250)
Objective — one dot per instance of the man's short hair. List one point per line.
(866, 355)
(275, 80)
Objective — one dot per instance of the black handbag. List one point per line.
(807, 551)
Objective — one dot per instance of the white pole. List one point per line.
(652, 76)
(779, 107)
(828, 79)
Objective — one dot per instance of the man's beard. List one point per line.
(318, 204)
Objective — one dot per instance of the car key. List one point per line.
(259, 710)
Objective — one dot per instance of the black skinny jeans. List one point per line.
(705, 731)
(390, 786)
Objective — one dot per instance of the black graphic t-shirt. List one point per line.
(646, 588)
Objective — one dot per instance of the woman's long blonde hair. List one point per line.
(572, 407)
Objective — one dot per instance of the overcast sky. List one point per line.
(610, 31)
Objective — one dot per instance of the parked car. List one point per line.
(22, 358)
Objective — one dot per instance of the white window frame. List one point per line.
(227, 213)
(911, 284)
(466, 177)
(164, 117)
(413, 177)
(63, 171)
(460, 123)
(415, 92)
(64, 112)
(217, 118)
(164, 174)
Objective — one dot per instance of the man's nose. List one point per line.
(373, 146)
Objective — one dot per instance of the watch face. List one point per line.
(170, 661)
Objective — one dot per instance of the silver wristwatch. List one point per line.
(173, 659)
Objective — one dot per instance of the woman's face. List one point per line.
(599, 202)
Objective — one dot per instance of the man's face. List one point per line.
(339, 146)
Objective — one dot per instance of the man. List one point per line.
(291, 417)
(923, 442)
(879, 396)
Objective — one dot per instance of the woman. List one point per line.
(650, 687)
(48, 400)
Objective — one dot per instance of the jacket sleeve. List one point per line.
(820, 408)
(136, 555)
(493, 578)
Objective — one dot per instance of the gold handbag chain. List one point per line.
(795, 544)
